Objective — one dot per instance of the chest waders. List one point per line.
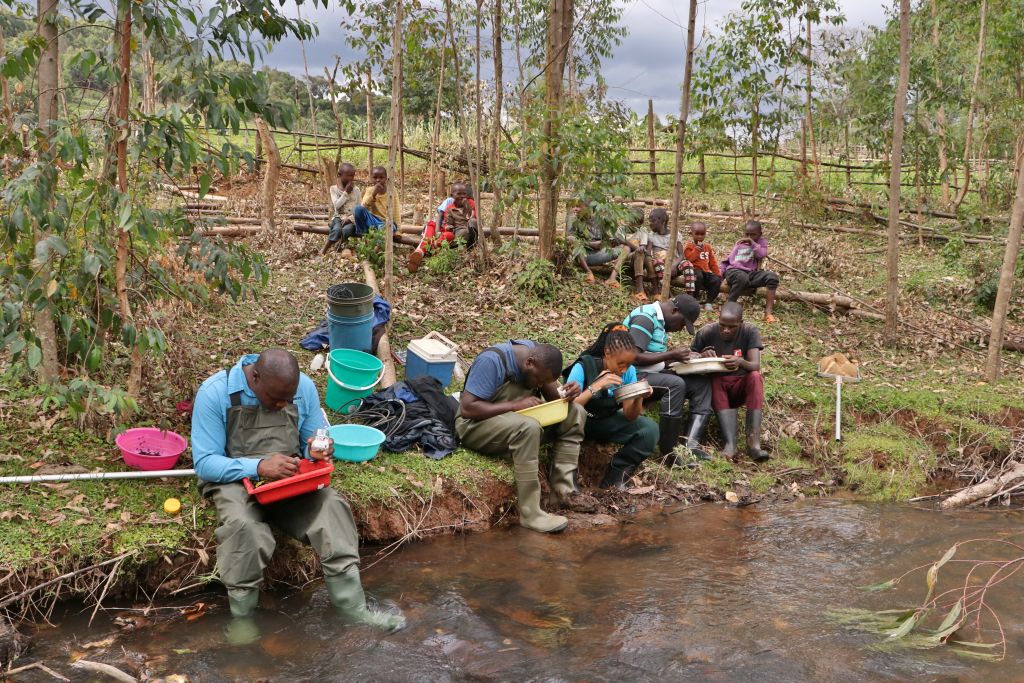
(245, 540)
(520, 437)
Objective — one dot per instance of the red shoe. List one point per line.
(415, 259)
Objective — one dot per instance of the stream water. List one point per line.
(711, 593)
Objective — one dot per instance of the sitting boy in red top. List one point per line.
(708, 275)
(740, 344)
(458, 221)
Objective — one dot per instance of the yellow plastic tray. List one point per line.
(550, 413)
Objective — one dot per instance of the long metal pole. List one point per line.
(839, 408)
(92, 476)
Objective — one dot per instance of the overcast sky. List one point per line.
(648, 63)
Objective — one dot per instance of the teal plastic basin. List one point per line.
(356, 443)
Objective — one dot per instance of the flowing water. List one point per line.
(711, 593)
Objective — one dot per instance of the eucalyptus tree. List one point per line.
(85, 242)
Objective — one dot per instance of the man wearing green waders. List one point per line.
(512, 376)
(257, 420)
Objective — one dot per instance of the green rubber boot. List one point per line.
(346, 594)
(531, 515)
(564, 493)
(753, 425)
(242, 630)
(728, 424)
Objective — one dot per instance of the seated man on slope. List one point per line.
(257, 420)
(588, 230)
(740, 343)
(457, 220)
(508, 377)
(649, 326)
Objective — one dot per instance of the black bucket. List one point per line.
(350, 299)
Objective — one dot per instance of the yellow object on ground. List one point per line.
(172, 506)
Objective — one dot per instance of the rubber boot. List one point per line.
(698, 423)
(346, 594)
(242, 629)
(564, 493)
(728, 424)
(530, 514)
(753, 429)
(668, 439)
(616, 477)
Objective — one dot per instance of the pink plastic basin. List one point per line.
(149, 448)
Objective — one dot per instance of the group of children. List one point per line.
(515, 375)
(694, 267)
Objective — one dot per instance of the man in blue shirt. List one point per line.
(257, 420)
(649, 326)
(508, 377)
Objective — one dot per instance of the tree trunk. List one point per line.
(369, 124)
(940, 115)
(1006, 277)
(394, 210)
(436, 132)
(560, 16)
(895, 167)
(499, 98)
(43, 325)
(677, 180)
(479, 154)
(268, 193)
(148, 78)
(810, 109)
(123, 36)
(474, 171)
(973, 109)
(6, 113)
(755, 123)
(652, 156)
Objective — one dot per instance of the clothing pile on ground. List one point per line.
(427, 416)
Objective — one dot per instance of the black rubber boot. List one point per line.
(616, 477)
(668, 439)
(753, 429)
(694, 433)
(728, 424)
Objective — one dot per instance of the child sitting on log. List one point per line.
(652, 255)
(457, 220)
(707, 273)
(743, 269)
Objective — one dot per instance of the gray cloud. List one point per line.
(647, 65)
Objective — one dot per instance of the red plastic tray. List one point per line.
(313, 475)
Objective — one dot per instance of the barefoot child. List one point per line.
(602, 368)
(652, 255)
(743, 269)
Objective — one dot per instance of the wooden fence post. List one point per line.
(650, 144)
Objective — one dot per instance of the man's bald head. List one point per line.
(275, 378)
(733, 310)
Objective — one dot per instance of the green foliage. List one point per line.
(63, 209)
(537, 278)
(370, 247)
(444, 258)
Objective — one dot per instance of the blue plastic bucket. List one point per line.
(351, 375)
(350, 333)
(356, 443)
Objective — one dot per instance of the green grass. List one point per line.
(392, 476)
(884, 462)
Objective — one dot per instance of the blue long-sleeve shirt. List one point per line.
(210, 422)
